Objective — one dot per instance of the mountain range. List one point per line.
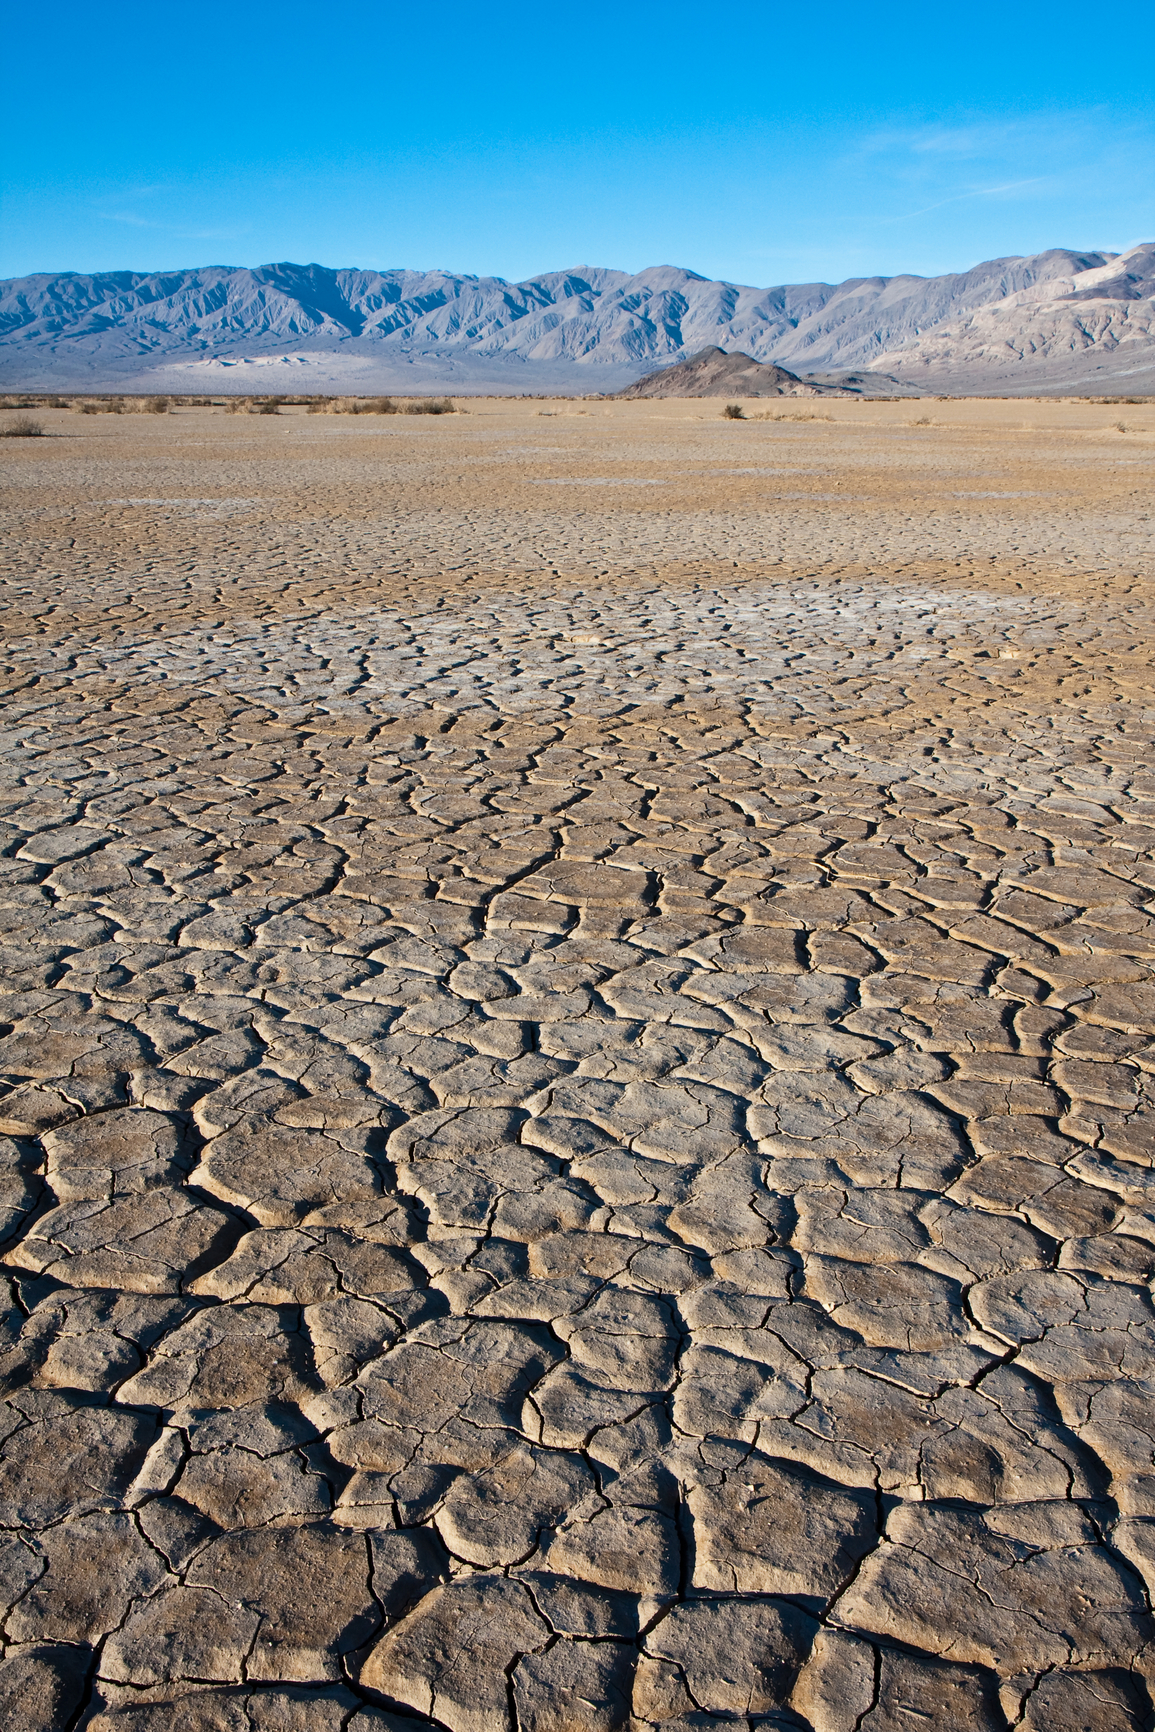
(1057, 321)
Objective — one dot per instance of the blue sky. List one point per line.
(745, 143)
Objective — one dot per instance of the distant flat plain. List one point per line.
(578, 1004)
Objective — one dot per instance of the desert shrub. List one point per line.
(23, 427)
(88, 408)
(155, 406)
(431, 406)
(796, 415)
(734, 412)
(56, 403)
(269, 408)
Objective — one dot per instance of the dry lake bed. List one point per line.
(578, 1011)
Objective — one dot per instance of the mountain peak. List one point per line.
(712, 372)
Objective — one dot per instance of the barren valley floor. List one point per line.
(579, 1053)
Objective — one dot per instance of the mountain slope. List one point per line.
(1085, 328)
(287, 326)
(714, 373)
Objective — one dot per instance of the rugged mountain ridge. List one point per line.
(1086, 328)
(583, 329)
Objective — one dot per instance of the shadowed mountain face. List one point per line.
(309, 327)
(714, 373)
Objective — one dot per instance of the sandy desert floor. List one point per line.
(579, 1032)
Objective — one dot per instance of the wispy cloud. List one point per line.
(237, 232)
(1042, 166)
(959, 142)
(985, 140)
(966, 141)
(972, 192)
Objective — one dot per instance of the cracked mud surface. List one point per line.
(578, 1074)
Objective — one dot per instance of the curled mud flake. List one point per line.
(847, 1683)
(93, 1569)
(1065, 1597)
(42, 1686)
(95, 1453)
(830, 1527)
(451, 1657)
